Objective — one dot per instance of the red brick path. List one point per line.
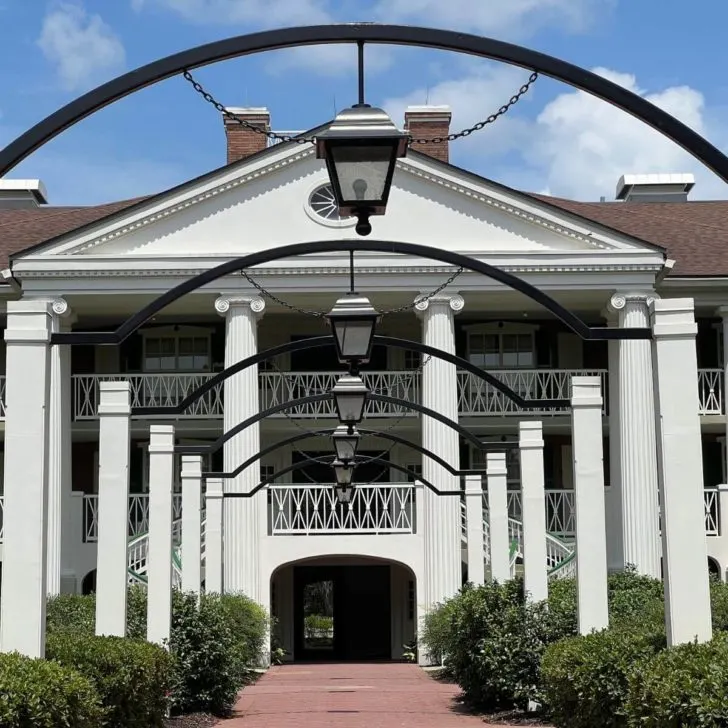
(349, 696)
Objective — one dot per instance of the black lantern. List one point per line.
(346, 441)
(361, 148)
(350, 395)
(352, 320)
(344, 473)
(344, 493)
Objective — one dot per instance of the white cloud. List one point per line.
(81, 46)
(576, 145)
(516, 18)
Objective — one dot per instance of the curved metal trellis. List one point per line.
(474, 45)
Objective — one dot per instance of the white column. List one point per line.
(442, 531)
(533, 507)
(59, 455)
(474, 524)
(723, 313)
(684, 548)
(637, 448)
(500, 543)
(245, 518)
(591, 545)
(27, 394)
(159, 553)
(613, 491)
(191, 522)
(113, 521)
(214, 535)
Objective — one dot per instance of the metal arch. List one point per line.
(320, 341)
(289, 468)
(457, 260)
(464, 43)
(319, 433)
(217, 444)
(220, 377)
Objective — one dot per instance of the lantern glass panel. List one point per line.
(350, 406)
(362, 170)
(354, 338)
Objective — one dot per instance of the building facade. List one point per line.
(293, 548)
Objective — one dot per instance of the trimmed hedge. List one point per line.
(44, 694)
(586, 679)
(132, 678)
(683, 687)
(215, 641)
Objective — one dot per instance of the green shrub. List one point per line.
(436, 635)
(719, 604)
(43, 694)
(317, 625)
(496, 642)
(251, 627)
(585, 679)
(683, 687)
(71, 613)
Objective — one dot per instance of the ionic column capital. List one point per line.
(454, 301)
(620, 300)
(253, 304)
(722, 312)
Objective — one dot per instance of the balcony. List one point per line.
(475, 397)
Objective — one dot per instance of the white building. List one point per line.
(601, 260)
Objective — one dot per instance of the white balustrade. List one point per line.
(314, 509)
(710, 391)
(138, 514)
(2, 398)
(476, 397)
(711, 498)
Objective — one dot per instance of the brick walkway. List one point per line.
(349, 696)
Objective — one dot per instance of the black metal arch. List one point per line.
(258, 416)
(474, 45)
(319, 433)
(283, 471)
(457, 260)
(320, 341)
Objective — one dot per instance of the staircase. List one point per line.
(560, 555)
(139, 546)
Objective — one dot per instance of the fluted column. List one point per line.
(243, 517)
(443, 568)
(59, 453)
(637, 445)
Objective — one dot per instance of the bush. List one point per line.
(719, 604)
(436, 634)
(585, 679)
(683, 687)
(131, 677)
(251, 626)
(44, 694)
(496, 640)
(71, 613)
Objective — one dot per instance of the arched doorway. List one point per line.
(88, 585)
(714, 568)
(344, 608)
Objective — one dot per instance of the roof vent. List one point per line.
(22, 193)
(655, 187)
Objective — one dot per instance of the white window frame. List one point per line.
(500, 330)
(176, 333)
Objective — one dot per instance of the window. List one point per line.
(412, 359)
(502, 350)
(184, 349)
(415, 468)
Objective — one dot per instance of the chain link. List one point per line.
(207, 96)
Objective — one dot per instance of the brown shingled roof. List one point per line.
(21, 229)
(695, 234)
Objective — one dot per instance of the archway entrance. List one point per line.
(344, 609)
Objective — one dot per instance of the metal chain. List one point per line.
(280, 301)
(207, 96)
(427, 296)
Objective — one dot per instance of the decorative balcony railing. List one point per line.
(711, 391)
(313, 509)
(138, 514)
(711, 498)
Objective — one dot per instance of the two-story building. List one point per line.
(601, 260)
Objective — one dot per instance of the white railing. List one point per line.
(560, 510)
(711, 499)
(138, 518)
(314, 509)
(711, 391)
(2, 398)
(2, 506)
(476, 397)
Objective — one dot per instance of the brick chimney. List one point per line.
(427, 122)
(243, 142)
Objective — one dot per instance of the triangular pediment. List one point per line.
(264, 202)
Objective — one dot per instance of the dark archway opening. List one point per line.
(88, 585)
(714, 568)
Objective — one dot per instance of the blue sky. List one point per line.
(557, 140)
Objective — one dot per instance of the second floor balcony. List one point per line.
(475, 397)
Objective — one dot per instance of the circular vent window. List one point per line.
(323, 203)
